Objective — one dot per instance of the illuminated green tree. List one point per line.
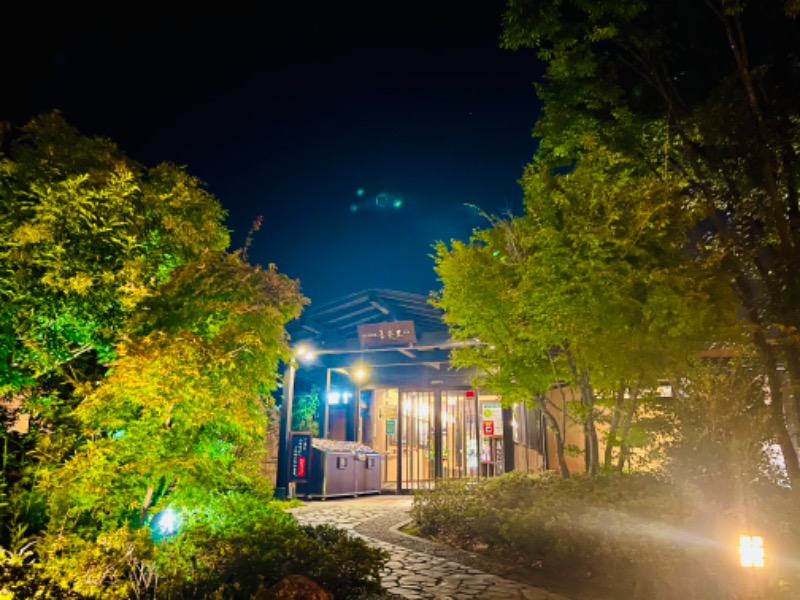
(705, 93)
(592, 286)
(182, 411)
(144, 352)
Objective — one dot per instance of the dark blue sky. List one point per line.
(289, 111)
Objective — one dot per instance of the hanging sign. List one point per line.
(299, 456)
(387, 334)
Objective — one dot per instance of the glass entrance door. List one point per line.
(459, 435)
(425, 435)
(417, 453)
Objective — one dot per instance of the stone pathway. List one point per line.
(418, 568)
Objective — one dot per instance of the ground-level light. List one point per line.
(751, 551)
(166, 522)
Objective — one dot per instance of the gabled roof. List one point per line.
(335, 324)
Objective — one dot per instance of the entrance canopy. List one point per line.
(400, 338)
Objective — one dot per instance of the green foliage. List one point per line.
(723, 440)
(233, 545)
(85, 234)
(593, 286)
(635, 535)
(238, 543)
(143, 351)
(701, 96)
(305, 412)
(196, 383)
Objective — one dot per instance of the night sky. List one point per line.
(308, 116)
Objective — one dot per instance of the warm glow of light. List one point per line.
(751, 551)
(360, 373)
(305, 353)
(406, 405)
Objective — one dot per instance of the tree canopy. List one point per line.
(663, 197)
(143, 350)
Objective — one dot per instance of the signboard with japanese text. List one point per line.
(387, 334)
(493, 411)
(299, 456)
(391, 426)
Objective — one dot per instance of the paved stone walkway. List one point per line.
(418, 568)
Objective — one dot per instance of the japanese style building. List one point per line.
(380, 360)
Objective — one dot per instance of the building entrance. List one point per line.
(425, 435)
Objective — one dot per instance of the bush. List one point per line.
(637, 536)
(116, 565)
(239, 544)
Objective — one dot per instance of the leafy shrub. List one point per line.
(235, 545)
(239, 544)
(636, 535)
(116, 565)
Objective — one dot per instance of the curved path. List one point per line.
(419, 568)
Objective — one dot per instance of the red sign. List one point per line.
(488, 428)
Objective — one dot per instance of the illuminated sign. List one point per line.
(387, 334)
(299, 456)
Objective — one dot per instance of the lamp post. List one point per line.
(282, 476)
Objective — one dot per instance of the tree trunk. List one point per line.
(616, 416)
(148, 499)
(777, 415)
(624, 448)
(793, 370)
(591, 442)
(560, 456)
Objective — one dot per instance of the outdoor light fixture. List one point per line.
(360, 374)
(166, 522)
(304, 353)
(751, 551)
(335, 398)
